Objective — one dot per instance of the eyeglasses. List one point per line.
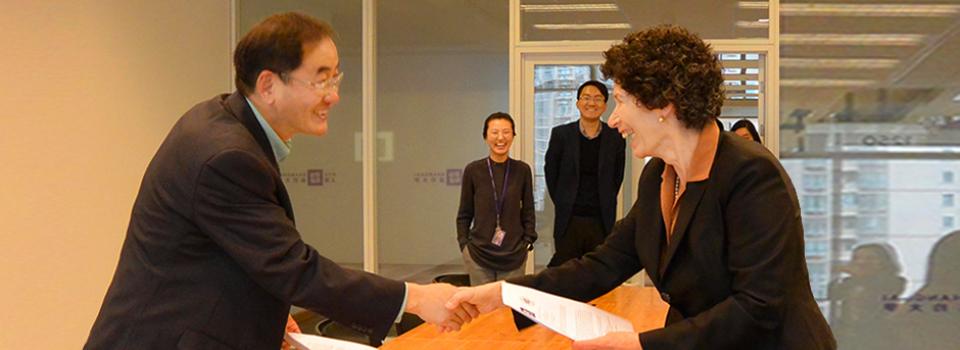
(594, 99)
(324, 86)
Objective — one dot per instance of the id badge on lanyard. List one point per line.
(499, 234)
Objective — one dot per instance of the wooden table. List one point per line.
(495, 330)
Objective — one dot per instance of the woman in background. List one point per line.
(496, 223)
(745, 129)
(930, 318)
(857, 300)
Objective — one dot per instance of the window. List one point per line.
(946, 200)
(872, 224)
(948, 222)
(814, 204)
(872, 202)
(947, 177)
(814, 227)
(850, 223)
(849, 200)
(817, 248)
(814, 182)
(815, 164)
(850, 179)
(872, 179)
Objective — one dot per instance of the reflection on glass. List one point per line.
(870, 125)
(551, 20)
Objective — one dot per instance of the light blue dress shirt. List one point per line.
(281, 149)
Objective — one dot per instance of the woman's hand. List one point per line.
(292, 327)
(483, 298)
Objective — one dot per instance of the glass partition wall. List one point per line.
(323, 174)
(860, 102)
(870, 134)
(435, 88)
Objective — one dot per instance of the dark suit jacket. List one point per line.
(212, 259)
(561, 168)
(734, 273)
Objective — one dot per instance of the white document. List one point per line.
(315, 342)
(573, 319)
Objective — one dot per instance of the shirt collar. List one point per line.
(671, 190)
(281, 148)
(703, 154)
(584, 132)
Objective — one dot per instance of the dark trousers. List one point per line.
(584, 233)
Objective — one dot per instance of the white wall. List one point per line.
(434, 103)
(90, 89)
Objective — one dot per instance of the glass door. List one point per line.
(549, 96)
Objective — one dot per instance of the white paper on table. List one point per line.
(571, 318)
(315, 342)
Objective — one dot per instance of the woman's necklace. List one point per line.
(676, 189)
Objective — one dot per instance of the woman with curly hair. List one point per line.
(716, 224)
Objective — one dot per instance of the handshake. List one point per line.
(449, 307)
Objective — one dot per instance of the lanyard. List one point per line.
(499, 201)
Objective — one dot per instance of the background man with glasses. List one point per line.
(583, 168)
(212, 258)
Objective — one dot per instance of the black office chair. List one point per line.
(407, 322)
(332, 329)
(457, 279)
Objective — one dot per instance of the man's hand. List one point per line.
(292, 327)
(484, 298)
(611, 341)
(428, 302)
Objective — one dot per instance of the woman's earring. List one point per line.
(661, 119)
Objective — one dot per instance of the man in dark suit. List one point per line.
(583, 168)
(212, 258)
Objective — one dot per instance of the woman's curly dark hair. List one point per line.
(667, 64)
